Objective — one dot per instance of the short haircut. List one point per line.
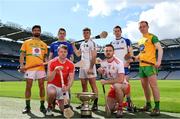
(144, 22)
(117, 27)
(62, 29)
(87, 29)
(36, 26)
(110, 45)
(63, 46)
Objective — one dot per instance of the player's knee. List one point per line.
(118, 86)
(51, 95)
(41, 86)
(51, 92)
(154, 86)
(84, 83)
(28, 86)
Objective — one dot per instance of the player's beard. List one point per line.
(63, 56)
(36, 35)
(109, 56)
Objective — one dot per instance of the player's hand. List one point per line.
(103, 82)
(58, 68)
(90, 71)
(136, 58)
(100, 70)
(158, 64)
(22, 68)
(65, 89)
(98, 60)
(73, 43)
(127, 56)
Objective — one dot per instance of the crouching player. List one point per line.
(113, 69)
(54, 86)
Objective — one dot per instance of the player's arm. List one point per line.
(157, 44)
(130, 49)
(120, 76)
(51, 72)
(137, 57)
(21, 59)
(160, 53)
(50, 56)
(72, 57)
(22, 55)
(76, 51)
(71, 79)
(93, 55)
(119, 79)
(46, 58)
(51, 52)
(71, 50)
(131, 55)
(93, 60)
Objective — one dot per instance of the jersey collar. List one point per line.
(111, 60)
(119, 38)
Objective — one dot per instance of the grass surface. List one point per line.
(169, 91)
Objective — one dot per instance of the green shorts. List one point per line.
(147, 71)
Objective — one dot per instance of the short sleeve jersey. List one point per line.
(147, 49)
(35, 50)
(68, 67)
(111, 69)
(86, 48)
(121, 47)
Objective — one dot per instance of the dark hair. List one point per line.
(36, 26)
(110, 45)
(117, 27)
(87, 29)
(144, 22)
(63, 46)
(61, 29)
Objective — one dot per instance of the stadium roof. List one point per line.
(17, 33)
(166, 43)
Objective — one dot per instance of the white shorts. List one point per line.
(83, 73)
(35, 74)
(59, 93)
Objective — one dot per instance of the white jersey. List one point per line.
(113, 68)
(86, 49)
(121, 47)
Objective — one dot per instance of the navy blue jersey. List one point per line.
(54, 48)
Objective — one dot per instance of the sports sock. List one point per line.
(96, 101)
(148, 104)
(28, 103)
(42, 100)
(156, 104)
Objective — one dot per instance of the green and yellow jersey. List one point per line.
(147, 49)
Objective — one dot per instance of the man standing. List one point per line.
(113, 69)
(55, 90)
(87, 73)
(148, 66)
(61, 40)
(122, 46)
(35, 51)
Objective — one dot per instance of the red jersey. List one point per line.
(68, 67)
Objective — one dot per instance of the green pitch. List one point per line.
(169, 91)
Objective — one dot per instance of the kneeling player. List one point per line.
(55, 90)
(113, 69)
